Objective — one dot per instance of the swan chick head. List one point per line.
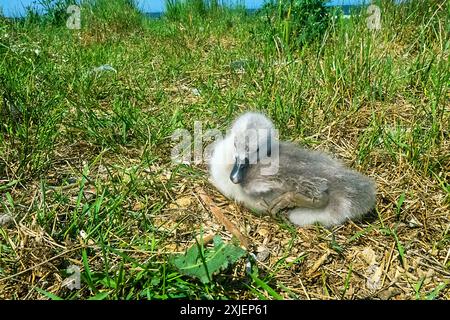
(253, 135)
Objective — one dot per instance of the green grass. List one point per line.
(85, 166)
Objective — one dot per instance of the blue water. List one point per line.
(16, 8)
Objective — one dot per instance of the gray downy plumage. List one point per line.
(309, 186)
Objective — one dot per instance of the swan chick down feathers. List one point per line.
(251, 166)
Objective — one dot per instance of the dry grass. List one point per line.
(303, 261)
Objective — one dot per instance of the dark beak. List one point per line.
(239, 170)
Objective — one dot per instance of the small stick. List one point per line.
(222, 219)
(318, 263)
(206, 239)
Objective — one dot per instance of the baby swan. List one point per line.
(251, 166)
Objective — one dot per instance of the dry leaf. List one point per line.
(184, 202)
(263, 232)
(263, 253)
(138, 206)
(369, 256)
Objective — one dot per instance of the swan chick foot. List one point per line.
(292, 199)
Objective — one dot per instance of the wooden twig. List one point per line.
(222, 219)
